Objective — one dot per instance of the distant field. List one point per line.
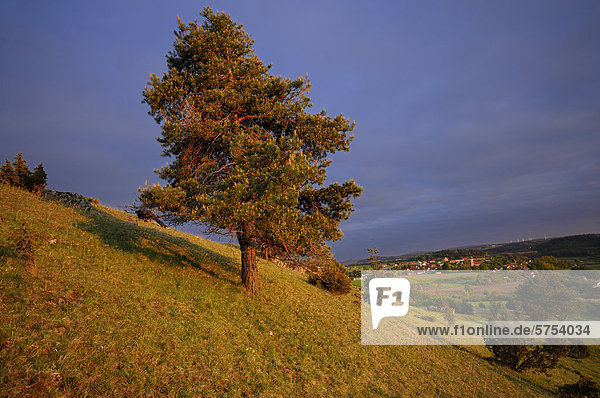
(592, 262)
(107, 305)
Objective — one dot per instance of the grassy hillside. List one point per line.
(108, 305)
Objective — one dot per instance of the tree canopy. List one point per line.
(245, 154)
(18, 174)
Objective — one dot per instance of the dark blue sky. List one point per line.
(475, 121)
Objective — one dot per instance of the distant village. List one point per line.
(464, 263)
(461, 263)
(570, 252)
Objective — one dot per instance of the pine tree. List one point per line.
(8, 174)
(37, 179)
(246, 155)
(18, 174)
(22, 170)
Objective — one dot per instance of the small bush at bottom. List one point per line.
(585, 387)
(22, 244)
(536, 358)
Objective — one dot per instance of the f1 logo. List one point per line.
(388, 297)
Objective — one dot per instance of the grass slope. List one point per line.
(114, 306)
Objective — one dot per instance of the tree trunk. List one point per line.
(247, 242)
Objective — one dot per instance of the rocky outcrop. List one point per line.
(70, 199)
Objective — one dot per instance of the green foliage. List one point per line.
(248, 157)
(450, 253)
(22, 243)
(546, 297)
(22, 170)
(37, 179)
(354, 273)
(540, 358)
(586, 247)
(18, 174)
(571, 246)
(568, 246)
(549, 263)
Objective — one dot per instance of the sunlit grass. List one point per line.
(114, 306)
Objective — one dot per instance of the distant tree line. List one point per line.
(550, 262)
(568, 246)
(451, 253)
(571, 246)
(18, 174)
(544, 253)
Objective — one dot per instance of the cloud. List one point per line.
(476, 122)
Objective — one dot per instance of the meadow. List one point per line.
(99, 303)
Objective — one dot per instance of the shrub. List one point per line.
(22, 244)
(538, 358)
(461, 307)
(355, 273)
(585, 387)
(333, 280)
